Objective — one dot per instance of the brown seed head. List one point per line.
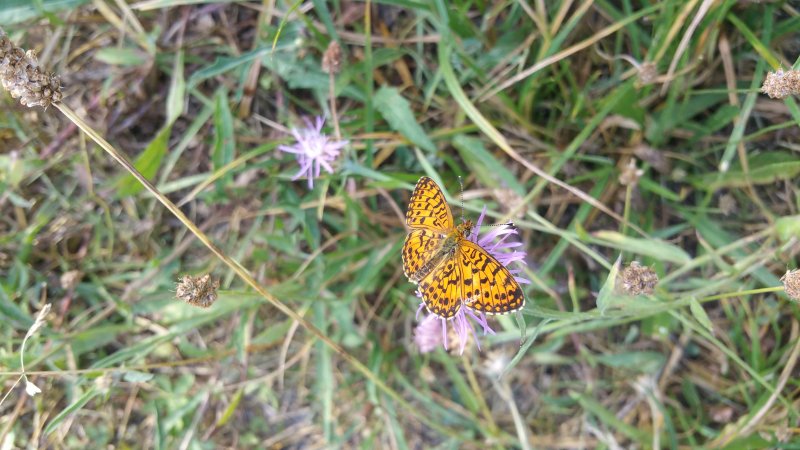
(791, 283)
(782, 83)
(727, 204)
(198, 291)
(332, 59)
(637, 279)
(648, 72)
(630, 174)
(69, 280)
(22, 77)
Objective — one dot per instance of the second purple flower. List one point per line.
(313, 149)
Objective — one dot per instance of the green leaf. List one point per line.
(460, 386)
(699, 313)
(147, 164)
(608, 290)
(96, 337)
(228, 413)
(676, 115)
(397, 112)
(324, 385)
(13, 170)
(224, 64)
(224, 142)
(754, 441)
(134, 376)
(11, 313)
(177, 91)
(645, 362)
(484, 165)
(125, 56)
(159, 433)
(71, 409)
(654, 248)
(753, 39)
(16, 11)
(594, 407)
(175, 419)
(523, 350)
(788, 227)
(765, 168)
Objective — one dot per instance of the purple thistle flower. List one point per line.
(432, 331)
(499, 249)
(428, 334)
(314, 150)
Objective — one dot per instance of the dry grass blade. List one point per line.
(685, 40)
(586, 43)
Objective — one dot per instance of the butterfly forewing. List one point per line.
(428, 208)
(419, 251)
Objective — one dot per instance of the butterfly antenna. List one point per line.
(509, 224)
(461, 183)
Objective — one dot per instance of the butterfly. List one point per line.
(450, 270)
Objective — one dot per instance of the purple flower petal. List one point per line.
(426, 335)
(444, 330)
(313, 149)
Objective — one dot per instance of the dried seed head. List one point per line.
(653, 156)
(40, 320)
(630, 174)
(791, 283)
(495, 363)
(637, 279)
(727, 204)
(332, 59)
(647, 73)
(22, 77)
(782, 84)
(511, 201)
(198, 291)
(69, 280)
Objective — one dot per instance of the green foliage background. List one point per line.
(538, 106)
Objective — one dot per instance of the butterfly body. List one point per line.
(447, 249)
(450, 270)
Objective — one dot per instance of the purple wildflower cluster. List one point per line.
(432, 331)
(313, 149)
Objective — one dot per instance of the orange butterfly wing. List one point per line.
(418, 250)
(428, 208)
(487, 286)
(424, 262)
(441, 289)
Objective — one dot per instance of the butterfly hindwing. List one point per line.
(487, 285)
(441, 288)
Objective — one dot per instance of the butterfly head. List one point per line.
(465, 228)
